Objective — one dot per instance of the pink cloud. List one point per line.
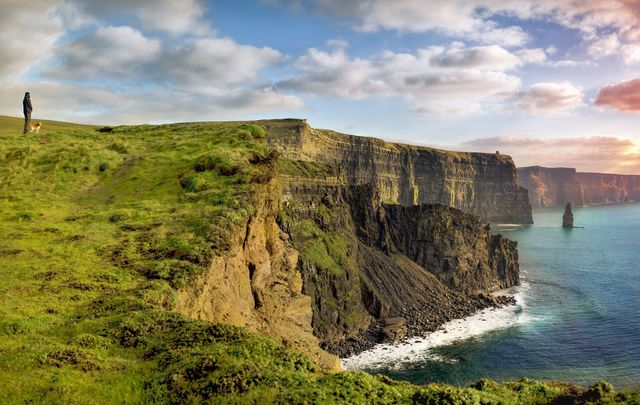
(622, 96)
(605, 154)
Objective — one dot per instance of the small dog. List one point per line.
(35, 127)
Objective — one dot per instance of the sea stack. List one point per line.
(567, 217)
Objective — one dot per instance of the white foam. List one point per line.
(419, 349)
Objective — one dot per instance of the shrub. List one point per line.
(599, 391)
(256, 131)
(194, 183)
(220, 163)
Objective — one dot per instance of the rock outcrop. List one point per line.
(567, 217)
(364, 262)
(553, 187)
(477, 183)
(345, 248)
(257, 284)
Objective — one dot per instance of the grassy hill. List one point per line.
(98, 230)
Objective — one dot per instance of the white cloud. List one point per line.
(125, 54)
(216, 62)
(549, 97)
(605, 46)
(98, 105)
(104, 73)
(431, 80)
(472, 19)
(29, 30)
(172, 16)
(537, 56)
(487, 57)
(630, 53)
(107, 52)
(569, 63)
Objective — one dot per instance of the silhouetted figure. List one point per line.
(27, 109)
(567, 217)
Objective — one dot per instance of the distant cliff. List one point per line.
(557, 186)
(477, 183)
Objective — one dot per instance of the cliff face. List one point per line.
(482, 184)
(257, 285)
(551, 186)
(609, 188)
(327, 259)
(558, 186)
(365, 262)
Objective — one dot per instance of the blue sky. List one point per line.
(551, 82)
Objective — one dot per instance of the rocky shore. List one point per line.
(414, 323)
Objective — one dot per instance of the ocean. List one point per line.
(577, 317)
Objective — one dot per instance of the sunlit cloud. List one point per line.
(599, 154)
(623, 96)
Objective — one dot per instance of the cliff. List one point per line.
(558, 186)
(477, 183)
(105, 233)
(365, 262)
(256, 283)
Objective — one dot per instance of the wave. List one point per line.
(419, 349)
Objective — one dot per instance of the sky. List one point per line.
(549, 82)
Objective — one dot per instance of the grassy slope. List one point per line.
(97, 230)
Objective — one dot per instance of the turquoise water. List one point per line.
(579, 312)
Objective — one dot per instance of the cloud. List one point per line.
(487, 57)
(172, 16)
(82, 69)
(475, 20)
(623, 96)
(549, 97)
(216, 62)
(537, 55)
(600, 154)
(455, 18)
(27, 35)
(434, 80)
(108, 52)
(98, 105)
(605, 46)
(569, 63)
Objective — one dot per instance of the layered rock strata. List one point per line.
(257, 284)
(477, 183)
(554, 187)
(365, 263)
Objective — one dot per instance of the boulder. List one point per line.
(394, 329)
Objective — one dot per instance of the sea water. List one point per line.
(577, 317)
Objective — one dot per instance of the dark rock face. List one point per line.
(425, 264)
(479, 183)
(567, 217)
(552, 187)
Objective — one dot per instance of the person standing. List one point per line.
(27, 109)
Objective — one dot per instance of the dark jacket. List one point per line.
(26, 105)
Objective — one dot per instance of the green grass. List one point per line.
(98, 230)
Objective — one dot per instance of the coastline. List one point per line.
(372, 339)
(418, 347)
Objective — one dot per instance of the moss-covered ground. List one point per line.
(98, 229)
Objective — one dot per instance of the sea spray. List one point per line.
(420, 349)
